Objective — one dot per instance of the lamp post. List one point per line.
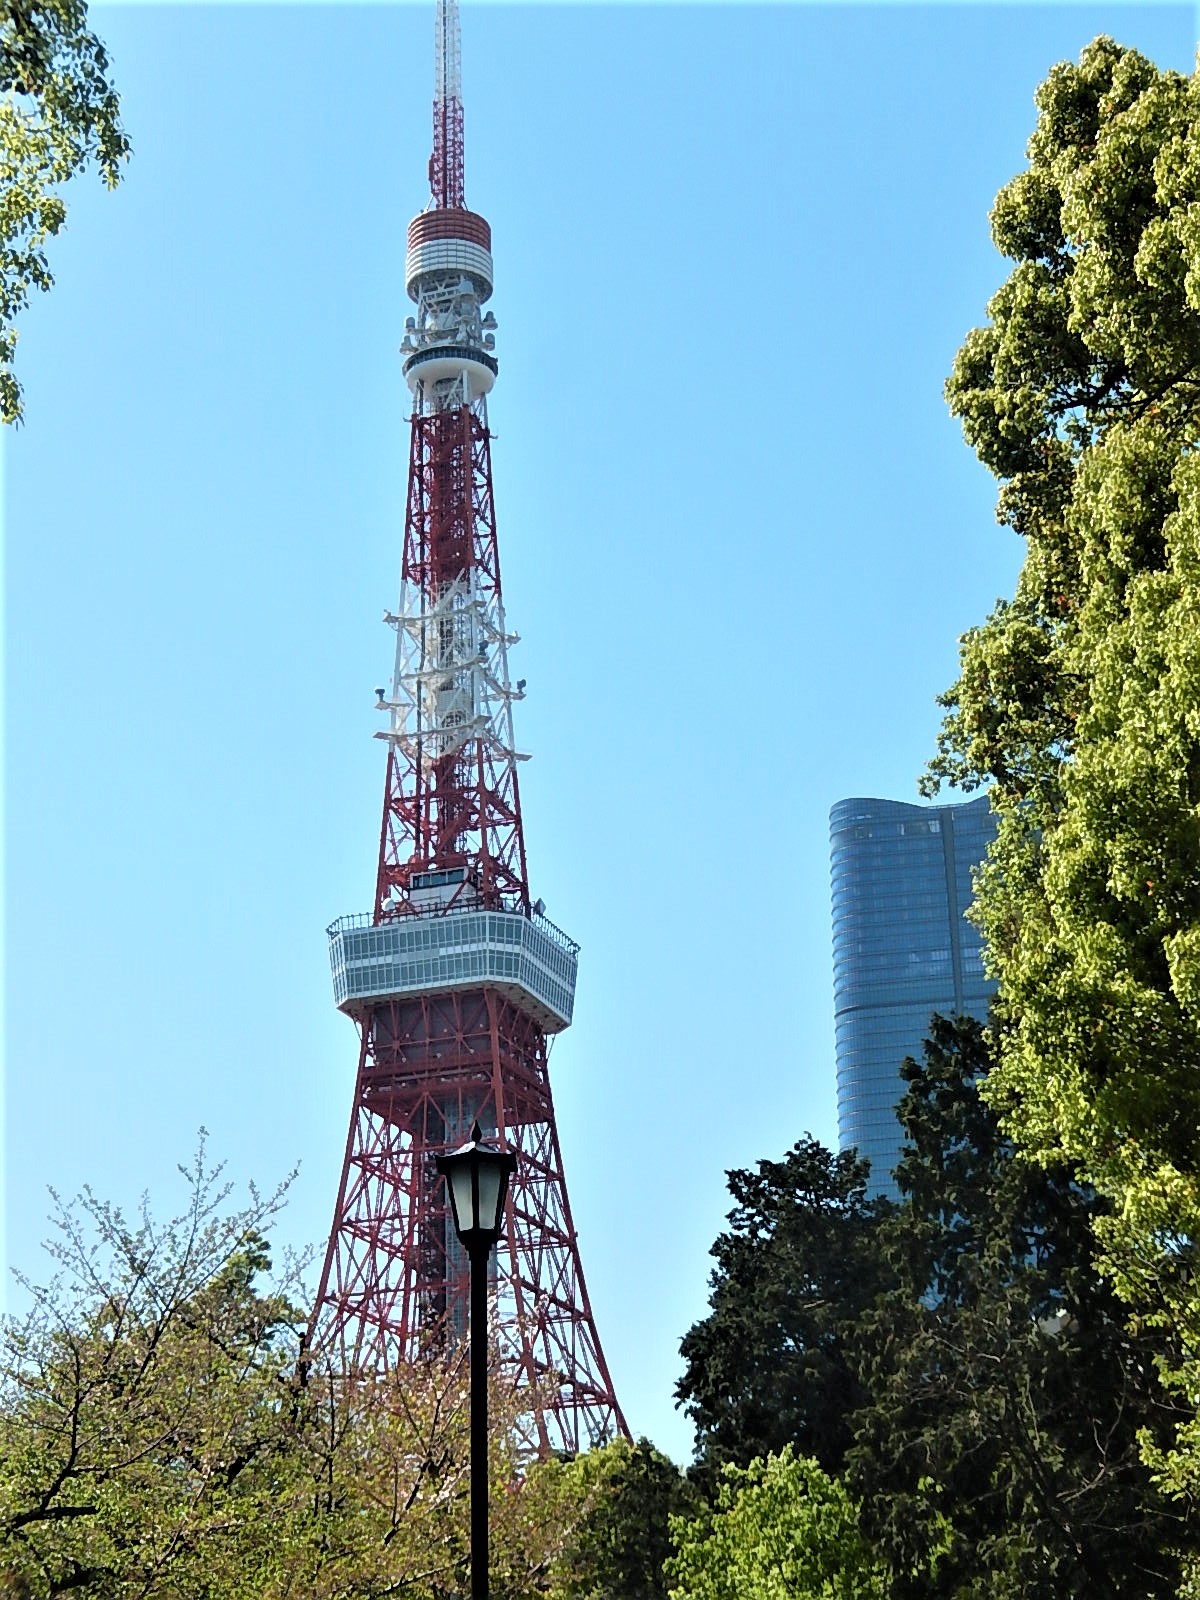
(477, 1177)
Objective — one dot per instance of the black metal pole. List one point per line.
(479, 1430)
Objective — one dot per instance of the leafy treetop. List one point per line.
(58, 113)
(768, 1366)
(1079, 699)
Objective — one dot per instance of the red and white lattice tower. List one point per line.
(455, 979)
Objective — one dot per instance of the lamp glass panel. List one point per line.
(460, 1195)
(489, 1195)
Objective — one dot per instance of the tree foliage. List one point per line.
(997, 1404)
(141, 1395)
(624, 1496)
(1079, 700)
(58, 113)
(768, 1366)
(162, 1436)
(781, 1529)
(997, 1452)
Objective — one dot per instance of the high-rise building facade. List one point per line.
(902, 949)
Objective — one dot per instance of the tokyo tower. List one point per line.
(455, 979)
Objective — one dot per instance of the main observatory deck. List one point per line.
(526, 958)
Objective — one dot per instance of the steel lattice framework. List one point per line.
(455, 979)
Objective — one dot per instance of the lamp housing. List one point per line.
(477, 1177)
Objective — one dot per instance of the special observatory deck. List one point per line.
(526, 958)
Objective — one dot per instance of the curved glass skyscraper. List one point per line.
(902, 949)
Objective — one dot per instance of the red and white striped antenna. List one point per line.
(446, 180)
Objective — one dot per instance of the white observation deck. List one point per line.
(421, 952)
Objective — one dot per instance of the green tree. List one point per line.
(58, 113)
(1079, 700)
(142, 1397)
(781, 1530)
(800, 1261)
(371, 1493)
(160, 1435)
(625, 1496)
(998, 1450)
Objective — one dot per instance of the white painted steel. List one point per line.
(525, 958)
(447, 53)
(439, 368)
(451, 680)
(458, 256)
(449, 317)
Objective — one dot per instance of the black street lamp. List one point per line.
(477, 1177)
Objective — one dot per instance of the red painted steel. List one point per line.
(396, 1284)
(446, 162)
(427, 226)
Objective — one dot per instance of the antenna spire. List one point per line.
(446, 180)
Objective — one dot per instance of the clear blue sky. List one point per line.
(735, 251)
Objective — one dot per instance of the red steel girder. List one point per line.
(395, 1282)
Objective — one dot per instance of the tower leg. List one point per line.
(396, 1281)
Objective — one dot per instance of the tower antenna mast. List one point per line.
(447, 180)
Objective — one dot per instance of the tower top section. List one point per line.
(448, 270)
(446, 176)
